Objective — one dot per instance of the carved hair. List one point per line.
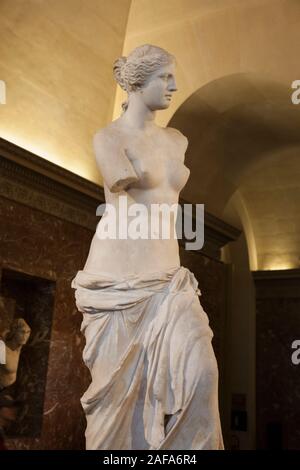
(132, 72)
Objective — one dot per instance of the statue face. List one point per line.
(22, 334)
(157, 92)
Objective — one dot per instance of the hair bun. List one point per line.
(118, 70)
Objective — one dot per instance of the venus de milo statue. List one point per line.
(154, 376)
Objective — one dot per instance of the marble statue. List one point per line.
(154, 376)
(14, 341)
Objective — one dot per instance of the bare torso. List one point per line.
(158, 160)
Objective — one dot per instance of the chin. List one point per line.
(163, 106)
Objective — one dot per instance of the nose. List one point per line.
(172, 85)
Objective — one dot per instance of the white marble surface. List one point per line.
(148, 341)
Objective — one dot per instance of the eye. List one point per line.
(165, 76)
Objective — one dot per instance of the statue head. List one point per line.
(149, 71)
(19, 332)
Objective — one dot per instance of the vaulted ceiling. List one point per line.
(244, 137)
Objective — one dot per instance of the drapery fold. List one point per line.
(154, 373)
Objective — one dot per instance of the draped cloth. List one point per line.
(154, 373)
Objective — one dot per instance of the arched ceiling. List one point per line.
(231, 123)
(244, 136)
(272, 196)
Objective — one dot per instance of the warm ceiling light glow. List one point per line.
(33, 148)
(77, 167)
(279, 265)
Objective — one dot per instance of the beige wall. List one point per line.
(240, 334)
(56, 60)
(273, 201)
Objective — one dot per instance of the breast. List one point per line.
(150, 171)
(178, 174)
(157, 167)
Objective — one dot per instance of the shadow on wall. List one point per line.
(231, 123)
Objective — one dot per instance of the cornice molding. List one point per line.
(35, 182)
(41, 166)
(284, 284)
(279, 274)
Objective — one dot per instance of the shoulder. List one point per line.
(106, 136)
(180, 138)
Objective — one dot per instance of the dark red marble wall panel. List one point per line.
(277, 378)
(212, 279)
(41, 245)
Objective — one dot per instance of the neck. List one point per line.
(138, 115)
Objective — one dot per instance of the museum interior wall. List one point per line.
(278, 384)
(56, 59)
(235, 65)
